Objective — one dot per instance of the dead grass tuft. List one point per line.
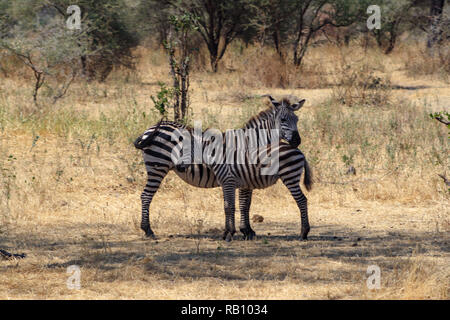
(419, 63)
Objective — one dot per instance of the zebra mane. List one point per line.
(263, 115)
(250, 123)
(173, 123)
(269, 112)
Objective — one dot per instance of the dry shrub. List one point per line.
(357, 83)
(418, 278)
(265, 68)
(10, 65)
(200, 58)
(310, 75)
(419, 63)
(391, 149)
(250, 66)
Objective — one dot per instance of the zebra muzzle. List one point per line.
(295, 140)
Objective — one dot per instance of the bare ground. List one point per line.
(191, 261)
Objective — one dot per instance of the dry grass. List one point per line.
(418, 63)
(360, 82)
(70, 182)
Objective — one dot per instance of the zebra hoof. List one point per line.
(304, 233)
(148, 232)
(150, 235)
(249, 234)
(228, 236)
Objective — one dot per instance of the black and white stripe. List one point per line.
(161, 141)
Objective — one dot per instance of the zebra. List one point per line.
(159, 142)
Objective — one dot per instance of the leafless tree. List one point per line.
(218, 23)
(313, 15)
(435, 32)
(50, 53)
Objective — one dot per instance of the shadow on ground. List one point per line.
(196, 256)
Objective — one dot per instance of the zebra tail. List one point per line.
(145, 140)
(308, 179)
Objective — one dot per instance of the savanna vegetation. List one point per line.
(375, 130)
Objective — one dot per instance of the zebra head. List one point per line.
(286, 120)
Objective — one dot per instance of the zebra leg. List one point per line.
(245, 199)
(302, 204)
(155, 177)
(229, 195)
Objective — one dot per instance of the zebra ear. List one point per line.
(275, 103)
(298, 105)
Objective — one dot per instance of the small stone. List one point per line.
(257, 218)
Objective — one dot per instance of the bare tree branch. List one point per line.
(442, 120)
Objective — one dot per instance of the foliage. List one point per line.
(443, 117)
(179, 50)
(115, 27)
(109, 26)
(356, 83)
(395, 19)
(218, 23)
(50, 52)
(161, 102)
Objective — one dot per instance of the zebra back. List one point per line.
(144, 140)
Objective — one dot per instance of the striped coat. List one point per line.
(232, 164)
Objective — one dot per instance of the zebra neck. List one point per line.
(267, 124)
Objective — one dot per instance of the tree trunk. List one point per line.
(184, 75)
(346, 39)
(300, 54)
(277, 41)
(3, 70)
(435, 32)
(83, 65)
(40, 78)
(176, 85)
(392, 37)
(213, 49)
(214, 63)
(378, 36)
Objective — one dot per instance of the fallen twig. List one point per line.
(6, 255)
(445, 179)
